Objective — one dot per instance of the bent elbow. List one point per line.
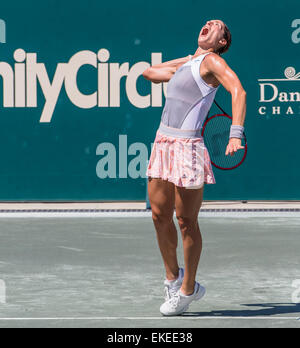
(239, 93)
(146, 74)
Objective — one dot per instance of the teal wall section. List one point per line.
(63, 160)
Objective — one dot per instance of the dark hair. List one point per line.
(227, 37)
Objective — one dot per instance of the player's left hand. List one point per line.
(233, 146)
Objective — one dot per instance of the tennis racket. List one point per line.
(216, 130)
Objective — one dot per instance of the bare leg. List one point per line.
(162, 200)
(188, 204)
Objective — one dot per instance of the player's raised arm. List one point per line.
(164, 72)
(230, 81)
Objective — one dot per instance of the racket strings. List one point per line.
(216, 137)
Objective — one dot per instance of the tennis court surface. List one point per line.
(106, 271)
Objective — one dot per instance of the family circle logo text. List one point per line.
(20, 82)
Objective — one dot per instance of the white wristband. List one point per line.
(237, 132)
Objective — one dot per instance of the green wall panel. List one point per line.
(90, 118)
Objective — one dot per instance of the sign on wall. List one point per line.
(78, 119)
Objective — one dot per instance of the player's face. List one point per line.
(212, 34)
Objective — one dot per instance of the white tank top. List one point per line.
(196, 117)
(189, 97)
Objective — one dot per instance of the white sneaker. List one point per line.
(179, 303)
(173, 286)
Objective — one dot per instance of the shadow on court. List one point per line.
(108, 272)
(268, 309)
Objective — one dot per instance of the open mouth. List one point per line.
(204, 31)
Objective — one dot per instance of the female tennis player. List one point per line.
(180, 165)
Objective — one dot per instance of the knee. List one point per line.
(186, 224)
(161, 217)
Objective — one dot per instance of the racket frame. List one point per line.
(209, 118)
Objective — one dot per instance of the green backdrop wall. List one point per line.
(72, 128)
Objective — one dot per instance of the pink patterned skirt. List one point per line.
(183, 161)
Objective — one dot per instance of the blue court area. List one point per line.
(107, 272)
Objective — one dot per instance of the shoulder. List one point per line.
(213, 61)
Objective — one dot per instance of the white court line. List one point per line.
(70, 249)
(152, 318)
(145, 214)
